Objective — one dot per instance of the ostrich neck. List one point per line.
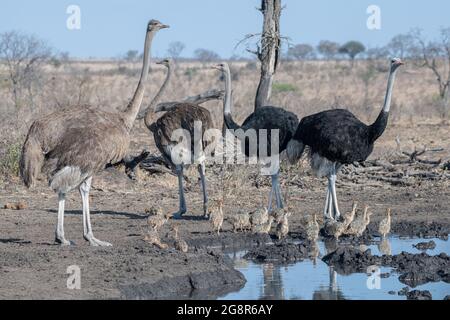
(228, 118)
(132, 109)
(388, 98)
(151, 108)
(377, 128)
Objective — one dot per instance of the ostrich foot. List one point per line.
(63, 241)
(178, 215)
(95, 242)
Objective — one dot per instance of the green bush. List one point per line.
(9, 162)
(283, 87)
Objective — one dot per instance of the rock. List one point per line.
(415, 269)
(447, 297)
(425, 245)
(419, 295)
(282, 252)
(403, 291)
(392, 292)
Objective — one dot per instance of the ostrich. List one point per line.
(264, 118)
(336, 137)
(71, 145)
(184, 116)
(148, 112)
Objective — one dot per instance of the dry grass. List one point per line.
(303, 88)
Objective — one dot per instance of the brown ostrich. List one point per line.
(184, 116)
(71, 145)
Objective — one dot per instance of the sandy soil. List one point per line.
(31, 266)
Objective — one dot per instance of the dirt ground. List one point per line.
(31, 266)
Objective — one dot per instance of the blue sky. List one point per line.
(111, 27)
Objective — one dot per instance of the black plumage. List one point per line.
(336, 137)
(269, 118)
(339, 136)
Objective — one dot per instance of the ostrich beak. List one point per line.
(400, 63)
(164, 26)
(216, 67)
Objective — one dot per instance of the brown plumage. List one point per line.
(216, 215)
(283, 226)
(385, 224)
(312, 229)
(153, 238)
(241, 221)
(71, 145)
(180, 244)
(259, 217)
(155, 222)
(359, 224)
(263, 228)
(183, 116)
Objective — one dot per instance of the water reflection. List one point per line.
(330, 292)
(385, 247)
(273, 283)
(313, 279)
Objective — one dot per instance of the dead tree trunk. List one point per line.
(269, 50)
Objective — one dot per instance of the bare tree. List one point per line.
(400, 45)
(436, 57)
(205, 55)
(23, 56)
(268, 51)
(175, 49)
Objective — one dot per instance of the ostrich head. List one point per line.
(395, 63)
(223, 66)
(166, 62)
(155, 25)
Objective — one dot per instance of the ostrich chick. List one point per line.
(154, 211)
(259, 217)
(334, 228)
(359, 224)
(241, 221)
(155, 222)
(180, 244)
(385, 224)
(153, 238)
(350, 216)
(283, 226)
(278, 214)
(216, 215)
(263, 228)
(312, 229)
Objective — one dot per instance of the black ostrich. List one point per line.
(264, 118)
(337, 137)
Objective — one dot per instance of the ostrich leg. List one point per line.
(201, 171)
(85, 187)
(59, 237)
(182, 209)
(278, 196)
(337, 214)
(327, 209)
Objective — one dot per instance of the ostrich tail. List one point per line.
(31, 160)
(294, 150)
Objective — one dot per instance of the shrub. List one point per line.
(9, 162)
(283, 87)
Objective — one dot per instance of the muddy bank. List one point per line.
(414, 269)
(136, 270)
(282, 252)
